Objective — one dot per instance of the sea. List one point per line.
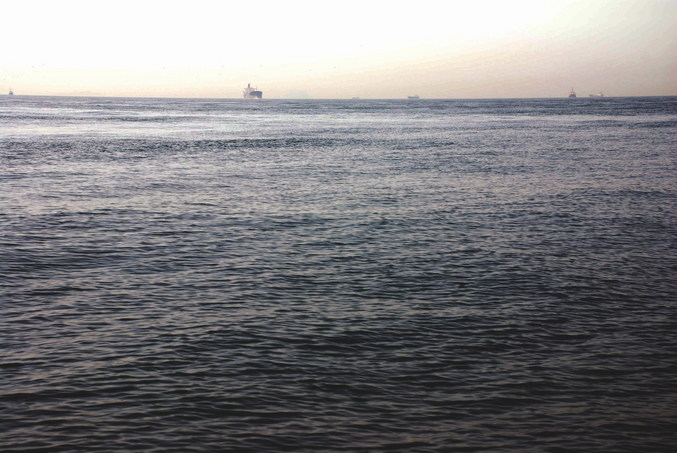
(222, 275)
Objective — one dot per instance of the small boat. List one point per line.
(252, 93)
(572, 93)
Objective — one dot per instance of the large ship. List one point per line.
(252, 93)
(572, 93)
(11, 93)
(598, 95)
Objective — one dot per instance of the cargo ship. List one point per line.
(252, 93)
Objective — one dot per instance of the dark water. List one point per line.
(412, 276)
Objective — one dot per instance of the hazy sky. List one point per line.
(340, 49)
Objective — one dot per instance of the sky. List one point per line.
(340, 49)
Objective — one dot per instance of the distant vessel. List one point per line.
(413, 97)
(11, 93)
(598, 95)
(252, 93)
(572, 93)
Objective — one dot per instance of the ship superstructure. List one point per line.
(252, 93)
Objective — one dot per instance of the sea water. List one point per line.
(191, 275)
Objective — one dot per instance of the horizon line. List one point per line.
(330, 99)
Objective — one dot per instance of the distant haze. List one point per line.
(366, 49)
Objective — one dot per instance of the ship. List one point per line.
(598, 95)
(11, 93)
(252, 93)
(572, 93)
(413, 97)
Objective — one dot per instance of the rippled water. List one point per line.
(415, 276)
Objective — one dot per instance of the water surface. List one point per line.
(417, 276)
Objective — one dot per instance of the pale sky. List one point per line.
(340, 49)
